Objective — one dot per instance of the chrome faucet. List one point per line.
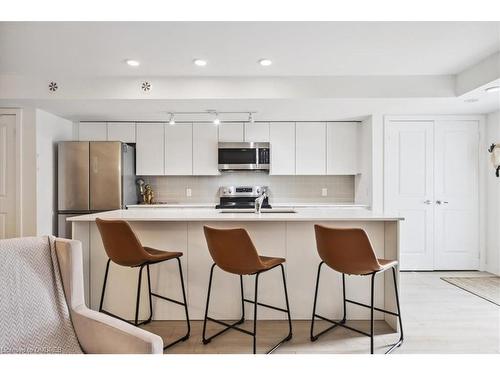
(259, 201)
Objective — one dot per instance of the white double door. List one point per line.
(431, 179)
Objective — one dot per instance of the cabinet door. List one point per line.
(257, 132)
(231, 132)
(205, 138)
(121, 131)
(92, 131)
(282, 140)
(310, 157)
(178, 149)
(409, 189)
(342, 148)
(150, 144)
(456, 193)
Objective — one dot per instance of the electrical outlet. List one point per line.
(188, 192)
(324, 192)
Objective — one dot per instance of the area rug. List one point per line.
(486, 287)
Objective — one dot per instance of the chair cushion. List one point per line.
(387, 263)
(270, 262)
(155, 255)
(34, 316)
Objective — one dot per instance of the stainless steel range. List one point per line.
(238, 197)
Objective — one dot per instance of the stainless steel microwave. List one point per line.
(237, 156)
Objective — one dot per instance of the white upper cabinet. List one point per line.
(310, 152)
(121, 131)
(92, 131)
(342, 148)
(231, 132)
(178, 149)
(257, 132)
(282, 140)
(150, 147)
(205, 154)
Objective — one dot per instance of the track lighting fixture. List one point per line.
(172, 119)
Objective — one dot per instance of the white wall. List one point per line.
(377, 122)
(492, 199)
(49, 130)
(28, 172)
(363, 181)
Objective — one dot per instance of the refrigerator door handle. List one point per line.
(95, 164)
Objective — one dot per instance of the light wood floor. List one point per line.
(437, 318)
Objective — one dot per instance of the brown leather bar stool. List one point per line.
(232, 250)
(124, 248)
(349, 251)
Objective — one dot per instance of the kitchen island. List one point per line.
(281, 234)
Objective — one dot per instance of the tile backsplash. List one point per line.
(283, 189)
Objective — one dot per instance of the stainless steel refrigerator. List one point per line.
(93, 177)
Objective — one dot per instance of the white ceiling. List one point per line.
(233, 48)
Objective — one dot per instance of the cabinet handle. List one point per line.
(428, 201)
(441, 202)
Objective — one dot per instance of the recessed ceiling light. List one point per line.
(199, 62)
(132, 62)
(265, 62)
(493, 89)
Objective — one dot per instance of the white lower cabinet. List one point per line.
(282, 140)
(150, 148)
(310, 148)
(178, 149)
(205, 153)
(431, 179)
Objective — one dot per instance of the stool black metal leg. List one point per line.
(242, 320)
(138, 300)
(400, 341)
(371, 312)
(287, 305)
(256, 303)
(185, 301)
(255, 313)
(312, 337)
(150, 298)
(205, 340)
(343, 297)
(104, 285)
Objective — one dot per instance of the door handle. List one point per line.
(441, 202)
(428, 201)
(95, 165)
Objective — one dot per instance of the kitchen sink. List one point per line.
(262, 211)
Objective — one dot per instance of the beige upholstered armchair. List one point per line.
(42, 294)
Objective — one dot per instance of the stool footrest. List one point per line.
(266, 305)
(339, 324)
(168, 299)
(228, 326)
(369, 307)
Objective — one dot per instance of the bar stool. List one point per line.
(349, 251)
(232, 250)
(124, 248)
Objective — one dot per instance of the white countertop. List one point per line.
(212, 205)
(211, 214)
